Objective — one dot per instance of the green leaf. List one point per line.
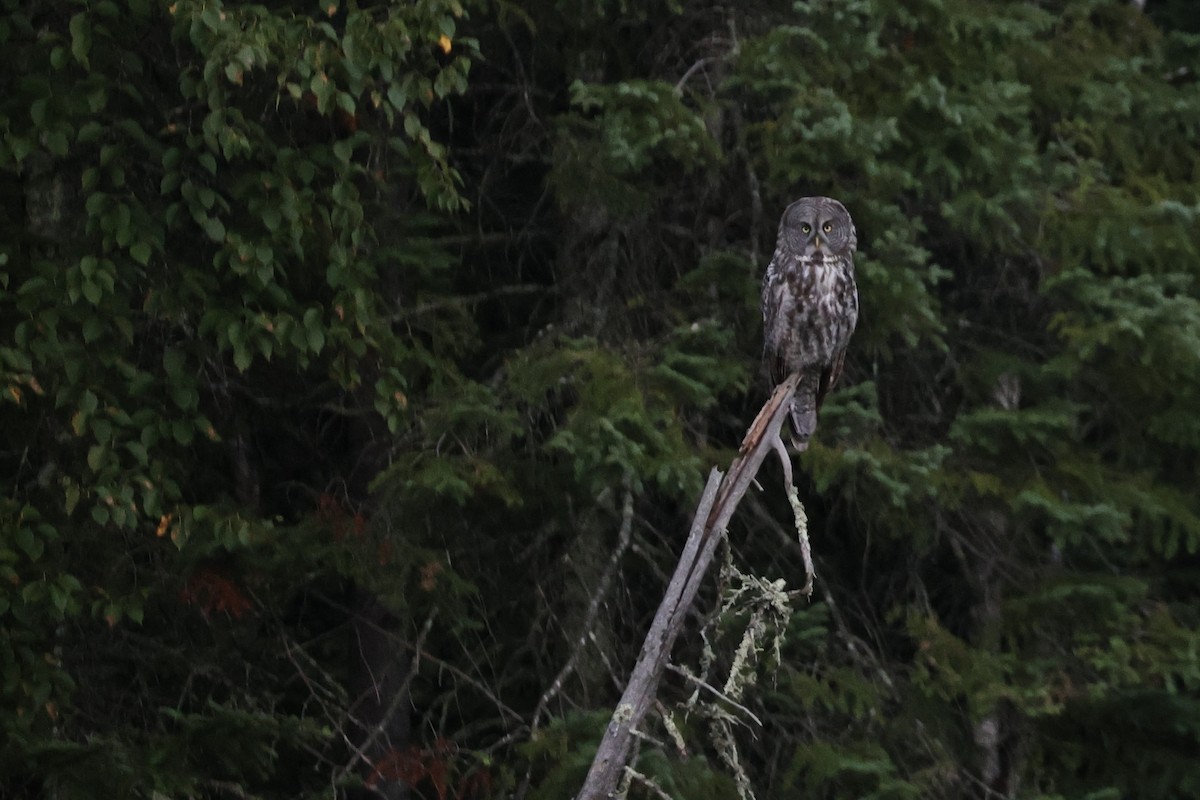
(396, 97)
(412, 125)
(242, 357)
(316, 339)
(93, 328)
(322, 87)
(58, 598)
(215, 229)
(102, 429)
(173, 361)
(81, 37)
(140, 251)
(182, 432)
(97, 455)
(89, 132)
(138, 451)
(313, 332)
(97, 99)
(27, 542)
(92, 292)
(21, 147)
(37, 111)
(56, 143)
(186, 397)
(72, 497)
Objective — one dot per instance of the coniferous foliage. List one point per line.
(361, 364)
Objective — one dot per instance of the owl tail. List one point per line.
(804, 410)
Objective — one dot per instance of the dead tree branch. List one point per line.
(717, 504)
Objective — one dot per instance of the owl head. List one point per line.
(814, 225)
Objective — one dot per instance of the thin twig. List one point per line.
(691, 71)
(715, 691)
(427, 657)
(398, 697)
(610, 571)
(648, 783)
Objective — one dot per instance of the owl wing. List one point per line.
(830, 375)
(776, 302)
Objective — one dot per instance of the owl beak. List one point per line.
(817, 242)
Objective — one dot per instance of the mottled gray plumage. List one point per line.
(810, 304)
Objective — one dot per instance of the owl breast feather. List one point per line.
(815, 311)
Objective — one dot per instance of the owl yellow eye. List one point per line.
(827, 227)
(806, 228)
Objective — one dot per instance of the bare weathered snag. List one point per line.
(717, 504)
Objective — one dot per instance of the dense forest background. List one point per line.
(361, 364)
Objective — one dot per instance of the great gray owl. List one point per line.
(810, 304)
